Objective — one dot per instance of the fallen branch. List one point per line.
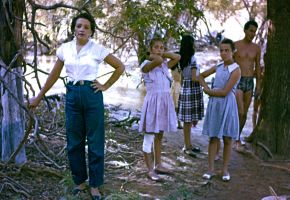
(272, 191)
(276, 166)
(15, 189)
(12, 184)
(265, 148)
(48, 158)
(41, 169)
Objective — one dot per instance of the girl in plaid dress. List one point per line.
(158, 113)
(190, 103)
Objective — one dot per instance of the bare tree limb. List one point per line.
(48, 158)
(55, 6)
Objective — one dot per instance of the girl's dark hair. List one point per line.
(152, 42)
(84, 16)
(230, 42)
(186, 50)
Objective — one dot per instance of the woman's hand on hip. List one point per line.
(98, 86)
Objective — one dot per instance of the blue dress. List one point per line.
(222, 117)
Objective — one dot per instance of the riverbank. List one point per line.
(46, 175)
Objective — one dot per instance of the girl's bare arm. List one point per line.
(174, 58)
(234, 78)
(155, 60)
(205, 74)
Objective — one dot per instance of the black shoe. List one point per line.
(196, 149)
(189, 152)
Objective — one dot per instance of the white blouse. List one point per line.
(85, 64)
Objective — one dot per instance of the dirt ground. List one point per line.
(250, 177)
(125, 175)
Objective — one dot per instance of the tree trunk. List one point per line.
(273, 128)
(12, 116)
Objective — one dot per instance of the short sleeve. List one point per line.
(143, 64)
(59, 53)
(193, 62)
(232, 67)
(102, 52)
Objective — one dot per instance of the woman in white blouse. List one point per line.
(84, 101)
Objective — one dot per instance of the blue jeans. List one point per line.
(85, 121)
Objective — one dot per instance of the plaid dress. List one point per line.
(190, 102)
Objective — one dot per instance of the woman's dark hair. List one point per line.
(186, 50)
(84, 16)
(249, 23)
(230, 42)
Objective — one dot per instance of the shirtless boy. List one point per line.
(248, 57)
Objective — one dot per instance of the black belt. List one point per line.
(80, 83)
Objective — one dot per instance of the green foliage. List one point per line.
(143, 20)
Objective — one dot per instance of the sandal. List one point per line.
(96, 196)
(153, 176)
(208, 176)
(226, 178)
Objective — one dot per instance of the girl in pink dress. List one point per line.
(158, 111)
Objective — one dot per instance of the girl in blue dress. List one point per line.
(222, 119)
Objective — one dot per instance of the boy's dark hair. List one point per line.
(186, 50)
(249, 23)
(230, 42)
(84, 16)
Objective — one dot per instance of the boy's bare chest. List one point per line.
(248, 52)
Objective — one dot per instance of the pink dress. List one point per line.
(158, 112)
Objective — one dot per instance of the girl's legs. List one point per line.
(179, 125)
(157, 148)
(186, 133)
(147, 149)
(217, 157)
(157, 154)
(226, 154)
(212, 151)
